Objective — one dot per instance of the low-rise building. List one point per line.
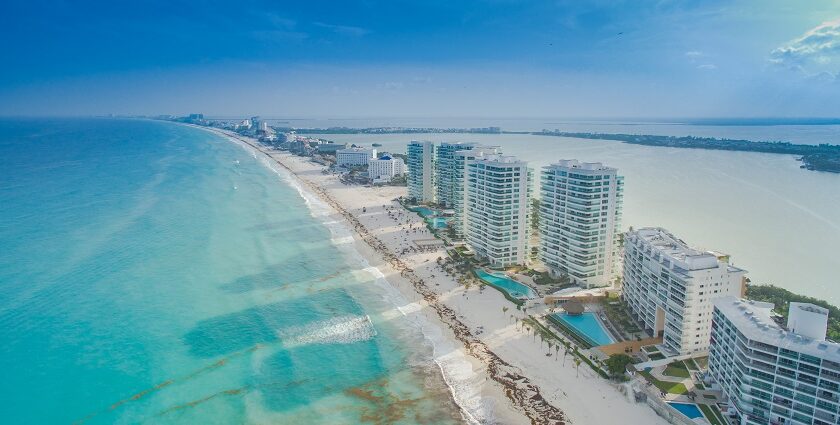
(383, 169)
(354, 156)
(669, 287)
(331, 147)
(770, 374)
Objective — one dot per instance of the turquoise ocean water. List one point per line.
(154, 273)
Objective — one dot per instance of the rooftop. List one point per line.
(678, 251)
(754, 319)
(581, 166)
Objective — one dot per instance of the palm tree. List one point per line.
(577, 366)
(504, 310)
(565, 353)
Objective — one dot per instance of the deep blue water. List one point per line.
(156, 273)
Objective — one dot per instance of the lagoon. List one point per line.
(779, 222)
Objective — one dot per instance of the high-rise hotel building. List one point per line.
(669, 287)
(496, 209)
(445, 163)
(772, 375)
(580, 221)
(421, 171)
(459, 176)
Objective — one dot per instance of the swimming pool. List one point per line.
(690, 410)
(437, 222)
(512, 287)
(586, 326)
(423, 211)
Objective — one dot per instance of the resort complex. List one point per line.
(385, 168)
(421, 171)
(496, 209)
(669, 287)
(580, 221)
(354, 156)
(771, 374)
(643, 309)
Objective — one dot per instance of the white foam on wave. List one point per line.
(337, 330)
(456, 370)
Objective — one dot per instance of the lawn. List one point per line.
(712, 414)
(676, 369)
(668, 387)
(650, 349)
(691, 365)
(702, 362)
(656, 356)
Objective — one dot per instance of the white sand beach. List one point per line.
(522, 383)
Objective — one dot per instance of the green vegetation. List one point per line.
(546, 333)
(822, 157)
(535, 216)
(656, 356)
(617, 364)
(668, 387)
(676, 369)
(619, 316)
(702, 362)
(690, 364)
(712, 414)
(781, 297)
(650, 349)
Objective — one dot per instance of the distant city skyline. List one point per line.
(490, 58)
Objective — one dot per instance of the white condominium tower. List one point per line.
(669, 287)
(445, 171)
(459, 174)
(420, 171)
(772, 375)
(496, 209)
(580, 220)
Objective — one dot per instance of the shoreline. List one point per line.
(532, 381)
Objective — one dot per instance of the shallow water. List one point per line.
(153, 273)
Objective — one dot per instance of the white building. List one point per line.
(354, 156)
(669, 287)
(445, 164)
(772, 375)
(496, 209)
(420, 171)
(459, 174)
(580, 221)
(384, 169)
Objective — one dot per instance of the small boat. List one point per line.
(376, 145)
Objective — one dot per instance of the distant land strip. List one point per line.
(822, 157)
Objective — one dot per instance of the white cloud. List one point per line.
(815, 53)
(707, 66)
(345, 30)
(694, 54)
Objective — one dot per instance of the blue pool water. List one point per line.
(155, 273)
(512, 287)
(587, 326)
(437, 222)
(423, 211)
(688, 409)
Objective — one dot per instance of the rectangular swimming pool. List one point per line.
(690, 410)
(423, 211)
(586, 326)
(512, 287)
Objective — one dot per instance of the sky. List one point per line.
(467, 58)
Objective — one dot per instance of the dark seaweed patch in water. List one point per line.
(236, 331)
(315, 371)
(288, 272)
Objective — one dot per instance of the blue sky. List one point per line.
(424, 58)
